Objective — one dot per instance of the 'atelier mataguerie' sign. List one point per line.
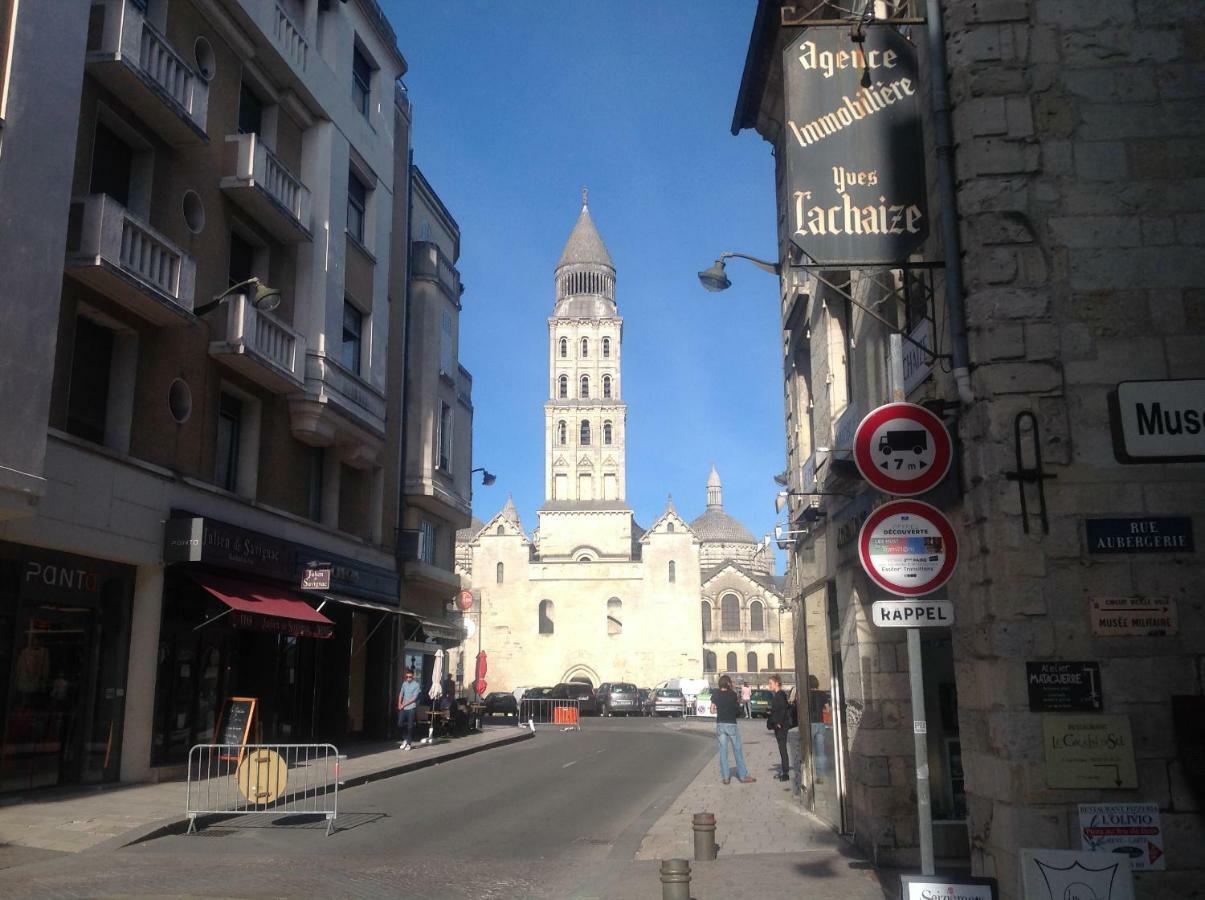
(854, 154)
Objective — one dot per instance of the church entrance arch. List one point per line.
(580, 672)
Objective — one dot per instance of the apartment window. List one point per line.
(614, 616)
(242, 260)
(444, 437)
(225, 466)
(730, 613)
(562, 433)
(357, 204)
(757, 620)
(426, 542)
(564, 348)
(499, 572)
(88, 394)
(606, 348)
(361, 81)
(563, 387)
(317, 463)
(673, 571)
(112, 165)
(546, 612)
(353, 332)
(584, 436)
(607, 440)
(584, 387)
(607, 387)
(250, 111)
(447, 348)
(705, 612)
(751, 662)
(730, 663)
(585, 347)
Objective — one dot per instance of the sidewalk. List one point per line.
(40, 824)
(769, 846)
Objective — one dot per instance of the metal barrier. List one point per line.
(263, 779)
(543, 711)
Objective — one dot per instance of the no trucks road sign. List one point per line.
(908, 548)
(902, 449)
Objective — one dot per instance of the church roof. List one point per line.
(716, 526)
(585, 245)
(775, 583)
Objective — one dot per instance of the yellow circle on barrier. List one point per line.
(262, 776)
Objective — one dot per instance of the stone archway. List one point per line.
(582, 671)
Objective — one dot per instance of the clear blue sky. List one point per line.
(519, 104)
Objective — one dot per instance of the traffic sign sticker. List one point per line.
(908, 548)
(902, 449)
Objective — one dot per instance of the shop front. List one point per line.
(64, 645)
(236, 623)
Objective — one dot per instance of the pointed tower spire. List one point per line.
(509, 512)
(715, 490)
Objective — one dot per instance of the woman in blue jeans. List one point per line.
(725, 703)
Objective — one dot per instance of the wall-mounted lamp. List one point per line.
(265, 299)
(781, 499)
(715, 278)
(487, 478)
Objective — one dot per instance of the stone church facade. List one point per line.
(590, 593)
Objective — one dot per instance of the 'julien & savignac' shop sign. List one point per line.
(854, 149)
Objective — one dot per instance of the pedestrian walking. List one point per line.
(407, 707)
(780, 721)
(724, 704)
(746, 696)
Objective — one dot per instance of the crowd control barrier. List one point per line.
(543, 711)
(263, 779)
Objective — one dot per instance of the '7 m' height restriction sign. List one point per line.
(902, 449)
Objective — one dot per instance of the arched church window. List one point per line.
(607, 386)
(546, 611)
(705, 611)
(584, 436)
(564, 347)
(770, 661)
(607, 433)
(709, 661)
(614, 616)
(756, 616)
(730, 614)
(562, 389)
(669, 526)
(562, 433)
(501, 531)
(585, 347)
(606, 348)
(751, 661)
(673, 571)
(584, 387)
(498, 572)
(730, 663)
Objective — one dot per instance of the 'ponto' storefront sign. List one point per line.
(854, 150)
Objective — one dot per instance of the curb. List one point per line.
(179, 824)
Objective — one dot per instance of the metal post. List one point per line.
(675, 879)
(704, 827)
(916, 674)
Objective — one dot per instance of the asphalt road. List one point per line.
(557, 816)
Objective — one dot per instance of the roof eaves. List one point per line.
(762, 41)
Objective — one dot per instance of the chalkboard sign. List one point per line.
(234, 724)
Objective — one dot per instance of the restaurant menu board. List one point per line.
(234, 725)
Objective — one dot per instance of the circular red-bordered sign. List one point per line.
(902, 449)
(908, 548)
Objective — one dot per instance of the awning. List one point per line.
(445, 632)
(363, 604)
(262, 608)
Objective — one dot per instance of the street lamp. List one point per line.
(715, 279)
(265, 298)
(781, 499)
(487, 478)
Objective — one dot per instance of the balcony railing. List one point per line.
(123, 257)
(290, 39)
(428, 261)
(261, 347)
(134, 60)
(264, 187)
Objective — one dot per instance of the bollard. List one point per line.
(704, 826)
(675, 879)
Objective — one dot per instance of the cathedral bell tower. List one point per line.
(585, 416)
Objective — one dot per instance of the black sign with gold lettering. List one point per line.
(854, 148)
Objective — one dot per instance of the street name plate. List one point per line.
(1119, 616)
(1146, 534)
(1064, 686)
(913, 613)
(1089, 752)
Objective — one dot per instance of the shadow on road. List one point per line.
(293, 821)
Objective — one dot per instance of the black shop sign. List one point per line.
(1141, 534)
(1064, 686)
(856, 190)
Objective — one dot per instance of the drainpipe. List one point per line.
(951, 243)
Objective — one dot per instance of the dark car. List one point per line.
(576, 690)
(618, 698)
(501, 703)
(759, 702)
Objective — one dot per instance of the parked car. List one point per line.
(576, 690)
(666, 702)
(759, 702)
(618, 698)
(703, 704)
(501, 703)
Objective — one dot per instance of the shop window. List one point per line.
(546, 613)
(730, 663)
(614, 616)
(756, 616)
(353, 336)
(705, 610)
(751, 662)
(730, 615)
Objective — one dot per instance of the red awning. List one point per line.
(263, 608)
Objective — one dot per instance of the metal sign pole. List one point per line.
(916, 674)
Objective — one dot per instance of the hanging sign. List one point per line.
(908, 548)
(902, 449)
(1131, 829)
(854, 152)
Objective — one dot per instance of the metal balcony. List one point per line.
(133, 60)
(122, 257)
(261, 184)
(262, 348)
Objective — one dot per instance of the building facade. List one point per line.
(1075, 195)
(181, 459)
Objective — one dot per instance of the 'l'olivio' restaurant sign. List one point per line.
(854, 154)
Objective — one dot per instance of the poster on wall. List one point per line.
(1133, 830)
(1075, 875)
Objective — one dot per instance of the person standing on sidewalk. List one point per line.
(724, 703)
(780, 719)
(746, 696)
(407, 707)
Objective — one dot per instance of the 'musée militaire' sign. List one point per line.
(854, 151)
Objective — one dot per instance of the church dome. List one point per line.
(716, 526)
(585, 245)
